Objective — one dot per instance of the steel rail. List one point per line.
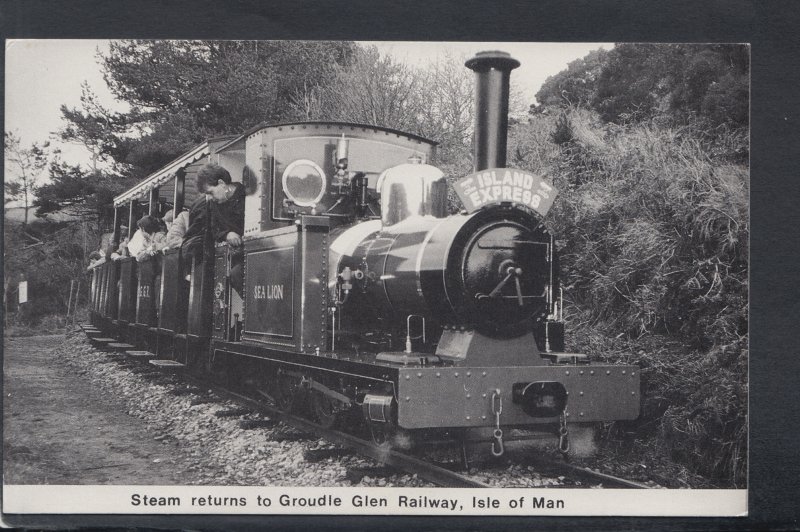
(587, 473)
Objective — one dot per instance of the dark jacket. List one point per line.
(199, 228)
(229, 216)
(211, 222)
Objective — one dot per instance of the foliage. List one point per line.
(374, 90)
(89, 195)
(18, 326)
(92, 126)
(655, 231)
(23, 168)
(574, 86)
(436, 102)
(637, 82)
(654, 235)
(57, 257)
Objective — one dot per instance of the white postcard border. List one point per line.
(253, 500)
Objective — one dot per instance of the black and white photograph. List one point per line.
(296, 277)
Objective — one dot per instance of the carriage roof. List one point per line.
(218, 144)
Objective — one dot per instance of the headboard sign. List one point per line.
(505, 185)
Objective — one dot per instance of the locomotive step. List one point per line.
(103, 340)
(119, 346)
(141, 354)
(167, 364)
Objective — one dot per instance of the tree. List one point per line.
(24, 166)
(576, 85)
(374, 90)
(436, 102)
(640, 81)
(447, 112)
(89, 195)
(636, 82)
(93, 126)
(182, 93)
(58, 257)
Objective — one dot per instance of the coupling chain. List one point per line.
(563, 434)
(497, 439)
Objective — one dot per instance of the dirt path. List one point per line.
(58, 429)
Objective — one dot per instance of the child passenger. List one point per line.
(146, 241)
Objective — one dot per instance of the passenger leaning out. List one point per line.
(176, 228)
(219, 213)
(146, 241)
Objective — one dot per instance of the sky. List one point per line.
(41, 75)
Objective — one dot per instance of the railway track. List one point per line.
(391, 458)
(431, 472)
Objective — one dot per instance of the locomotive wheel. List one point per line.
(287, 389)
(382, 434)
(325, 409)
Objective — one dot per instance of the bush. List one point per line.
(49, 266)
(653, 228)
(47, 324)
(655, 231)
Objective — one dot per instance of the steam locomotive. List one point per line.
(363, 299)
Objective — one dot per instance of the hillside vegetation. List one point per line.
(653, 229)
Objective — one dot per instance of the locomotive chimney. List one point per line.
(492, 70)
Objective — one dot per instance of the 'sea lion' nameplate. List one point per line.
(501, 185)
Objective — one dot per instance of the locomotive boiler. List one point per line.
(364, 297)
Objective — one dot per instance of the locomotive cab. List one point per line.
(303, 181)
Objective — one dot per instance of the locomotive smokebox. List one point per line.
(493, 70)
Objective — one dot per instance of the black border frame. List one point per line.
(772, 29)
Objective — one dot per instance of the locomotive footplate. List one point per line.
(462, 396)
